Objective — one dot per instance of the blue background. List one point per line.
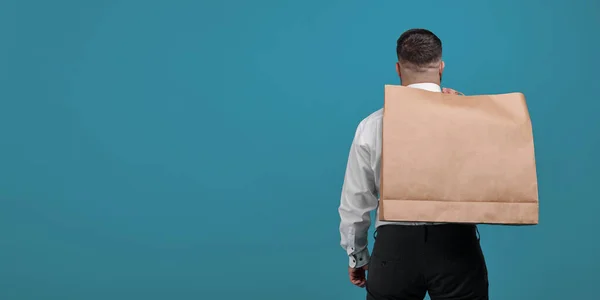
(196, 149)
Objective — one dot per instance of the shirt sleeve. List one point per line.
(358, 199)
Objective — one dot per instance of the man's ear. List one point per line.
(442, 65)
(398, 69)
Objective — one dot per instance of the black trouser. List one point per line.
(444, 260)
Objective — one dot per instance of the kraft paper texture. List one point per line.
(457, 159)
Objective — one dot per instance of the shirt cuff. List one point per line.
(359, 259)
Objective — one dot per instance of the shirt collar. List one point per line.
(432, 87)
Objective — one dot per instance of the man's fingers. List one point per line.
(448, 91)
(362, 283)
(357, 277)
(359, 282)
(451, 91)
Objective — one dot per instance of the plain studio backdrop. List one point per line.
(196, 149)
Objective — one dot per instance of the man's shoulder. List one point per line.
(373, 119)
(369, 126)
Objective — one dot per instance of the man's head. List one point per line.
(419, 57)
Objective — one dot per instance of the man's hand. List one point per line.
(358, 276)
(451, 91)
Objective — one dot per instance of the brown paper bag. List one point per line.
(457, 159)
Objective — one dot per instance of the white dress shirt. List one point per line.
(360, 190)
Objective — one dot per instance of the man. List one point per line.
(409, 259)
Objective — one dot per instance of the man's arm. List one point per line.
(357, 201)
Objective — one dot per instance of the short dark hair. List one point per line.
(419, 47)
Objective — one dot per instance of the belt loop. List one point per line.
(375, 234)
